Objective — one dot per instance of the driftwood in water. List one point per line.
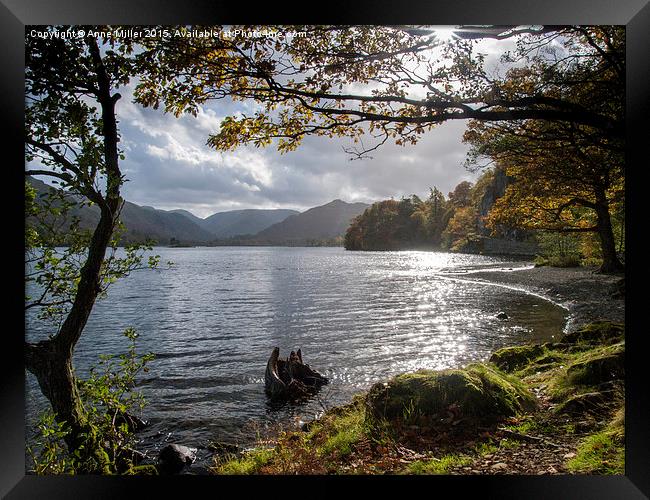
(290, 378)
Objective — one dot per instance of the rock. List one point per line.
(306, 426)
(569, 455)
(499, 466)
(590, 402)
(513, 358)
(477, 391)
(290, 378)
(174, 458)
(502, 315)
(599, 332)
(607, 365)
(618, 290)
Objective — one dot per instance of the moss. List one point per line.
(514, 358)
(248, 463)
(589, 402)
(588, 370)
(603, 452)
(142, 470)
(598, 366)
(437, 465)
(599, 332)
(478, 390)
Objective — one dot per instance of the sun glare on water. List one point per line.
(445, 33)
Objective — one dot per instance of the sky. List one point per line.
(169, 166)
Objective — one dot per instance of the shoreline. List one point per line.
(586, 295)
(573, 409)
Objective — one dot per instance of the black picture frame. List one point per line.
(16, 14)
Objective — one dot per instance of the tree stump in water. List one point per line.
(290, 378)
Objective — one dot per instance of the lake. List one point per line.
(213, 318)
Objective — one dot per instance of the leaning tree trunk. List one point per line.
(611, 262)
(51, 361)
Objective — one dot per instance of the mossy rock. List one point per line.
(589, 402)
(599, 332)
(566, 347)
(511, 359)
(479, 391)
(605, 365)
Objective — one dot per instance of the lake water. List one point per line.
(213, 319)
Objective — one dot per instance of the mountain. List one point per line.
(141, 222)
(149, 223)
(197, 220)
(252, 226)
(243, 222)
(319, 223)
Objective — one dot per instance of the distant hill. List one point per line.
(243, 222)
(252, 226)
(141, 222)
(319, 223)
(149, 223)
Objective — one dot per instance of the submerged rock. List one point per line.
(174, 458)
(502, 315)
(290, 378)
(133, 422)
(222, 448)
(478, 391)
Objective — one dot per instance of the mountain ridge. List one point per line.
(324, 223)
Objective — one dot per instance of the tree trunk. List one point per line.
(52, 366)
(611, 262)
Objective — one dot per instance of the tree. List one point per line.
(569, 177)
(304, 85)
(74, 143)
(563, 182)
(462, 228)
(461, 195)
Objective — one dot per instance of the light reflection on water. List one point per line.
(359, 317)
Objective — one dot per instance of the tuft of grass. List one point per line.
(249, 463)
(437, 465)
(344, 431)
(604, 451)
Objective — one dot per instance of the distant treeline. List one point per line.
(452, 222)
(252, 241)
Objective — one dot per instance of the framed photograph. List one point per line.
(390, 247)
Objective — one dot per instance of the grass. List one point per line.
(249, 463)
(323, 449)
(602, 452)
(437, 465)
(344, 432)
